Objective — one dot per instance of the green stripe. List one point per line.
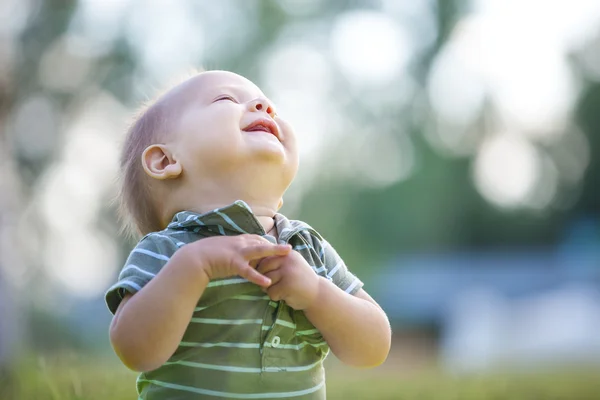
(224, 282)
(228, 368)
(285, 323)
(298, 346)
(276, 395)
(250, 297)
(307, 332)
(294, 369)
(221, 344)
(250, 370)
(215, 321)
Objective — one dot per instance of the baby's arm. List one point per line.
(354, 326)
(148, 326)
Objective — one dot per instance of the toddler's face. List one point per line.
(226, 122)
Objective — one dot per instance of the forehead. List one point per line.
(211, 83)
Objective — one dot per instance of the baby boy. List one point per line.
(224, 297)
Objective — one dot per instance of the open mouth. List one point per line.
(263, 125)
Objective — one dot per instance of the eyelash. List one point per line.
(226, 98)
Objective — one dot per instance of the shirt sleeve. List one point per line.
(144, 262)
(337, 271)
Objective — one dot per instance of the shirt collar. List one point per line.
(233, 219)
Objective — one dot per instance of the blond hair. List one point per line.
(151, 124)
(137, 207)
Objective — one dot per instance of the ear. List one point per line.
(160, 163)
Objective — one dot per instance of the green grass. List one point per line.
(76, 378)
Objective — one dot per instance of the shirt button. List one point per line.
(275, 342)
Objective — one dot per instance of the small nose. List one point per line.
(262, 104)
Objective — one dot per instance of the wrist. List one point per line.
(320, 291)
(191, 260)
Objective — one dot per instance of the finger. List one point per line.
(275, 292)
(265, 250)
(254, 276)
(255, 239)
(275, 276)
(269, 264)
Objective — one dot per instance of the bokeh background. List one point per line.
(450, 151)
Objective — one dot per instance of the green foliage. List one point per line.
(436, 209)
(79, 378)
(66, 378)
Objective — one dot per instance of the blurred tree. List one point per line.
(20, 171)
(436, 209)
(10, 191)
(588, 118)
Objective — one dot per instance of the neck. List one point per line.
(263, 206)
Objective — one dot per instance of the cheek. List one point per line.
(211, 145)
(217, 148)
(294, 164)
(290, 143)
(286, 129)
(213, 122)
(289, 135)
(219, 132)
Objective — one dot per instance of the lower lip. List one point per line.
(267, 132)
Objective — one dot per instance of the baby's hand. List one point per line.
(226, 256)
(293, 280)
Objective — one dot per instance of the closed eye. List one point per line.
(226, 97)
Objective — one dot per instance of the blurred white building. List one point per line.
(485, 330)
(526, 308)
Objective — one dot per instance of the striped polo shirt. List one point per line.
(239, 344)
